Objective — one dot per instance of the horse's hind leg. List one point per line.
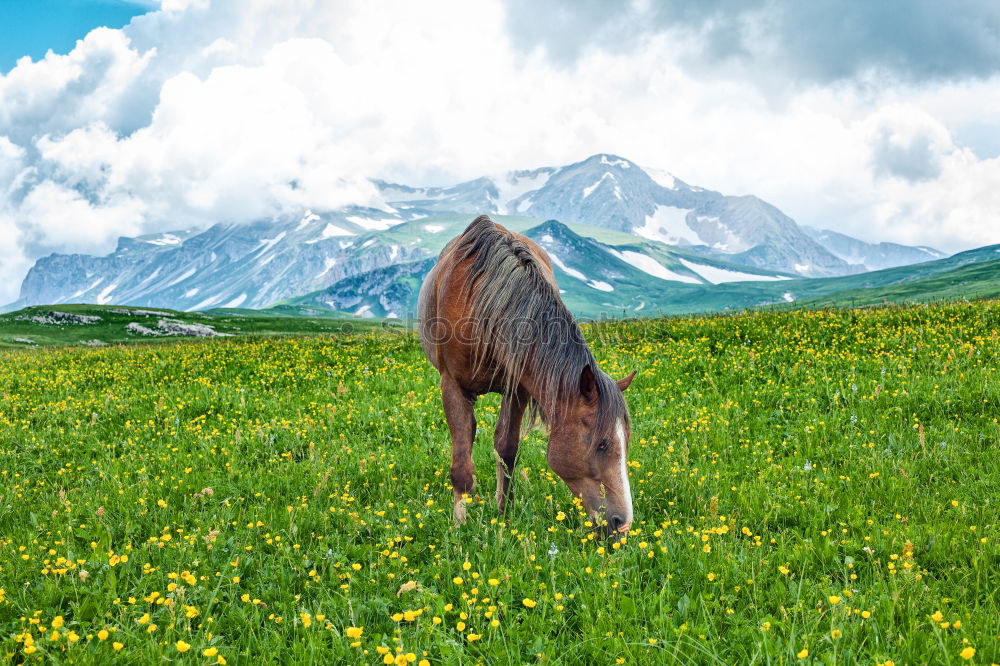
(506, 439)
(458, 410)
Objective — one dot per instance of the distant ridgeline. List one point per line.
(624, 240)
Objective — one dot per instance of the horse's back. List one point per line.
(445, 305)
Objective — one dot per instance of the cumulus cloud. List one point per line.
(815, 41)
(235, 110)
(60, 93)
(908, 143)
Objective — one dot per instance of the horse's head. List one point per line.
(588, 447)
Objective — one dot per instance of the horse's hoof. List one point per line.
(460, 511)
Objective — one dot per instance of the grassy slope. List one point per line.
(111, 328)
(819, 481)
(966, 282)
(923, 283)
(951, 278)
(911, 283)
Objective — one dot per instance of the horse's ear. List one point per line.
(588, 384)
(625, 383)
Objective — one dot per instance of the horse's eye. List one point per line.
(603, 444)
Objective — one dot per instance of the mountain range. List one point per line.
(623, 239)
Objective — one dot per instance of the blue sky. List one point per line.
(32, 27)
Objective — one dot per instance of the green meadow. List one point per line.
(809, 487)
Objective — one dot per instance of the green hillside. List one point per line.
(972, 281)
(968, 275)
(46, 326)
(587, 262)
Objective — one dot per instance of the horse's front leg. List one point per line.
(458, 410)
(506, 440)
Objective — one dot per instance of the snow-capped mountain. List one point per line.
(226, 265)
(614, 193)
(871, 256)
(620, 273)
(684, 234)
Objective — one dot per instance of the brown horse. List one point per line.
(491, 321)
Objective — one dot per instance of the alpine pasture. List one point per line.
(809, 487)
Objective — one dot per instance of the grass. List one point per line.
(810, 487)
(980, 280)
(18, 330)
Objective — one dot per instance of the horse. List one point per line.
(491, 320)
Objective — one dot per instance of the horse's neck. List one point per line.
(546, 399)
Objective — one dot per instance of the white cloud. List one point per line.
(11, 159)
(64, 219)
(239, 109)
(181, 5)
(63, 92)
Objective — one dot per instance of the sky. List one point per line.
(876, 119)
(33, 27)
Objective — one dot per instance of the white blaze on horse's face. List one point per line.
(591, 454)
(623, 471)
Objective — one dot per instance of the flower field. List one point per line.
(809, 487)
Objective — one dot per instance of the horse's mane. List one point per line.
(521, 321)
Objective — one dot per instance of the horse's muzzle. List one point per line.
(617, 523)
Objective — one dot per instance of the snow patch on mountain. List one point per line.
(267, 243)
(668, 224)
(512, 186)
(714, 232)
(307, 219)
(600, 285)
(717, 275)
(86, 289)
(372, 224)
(184, 276)
(164, 239)
(647, 264)
(152, 276)
(615, 162)
(661, 178)
(328, 263)
(587, 191)
(330, 231)
(572, 272)
(208, 302)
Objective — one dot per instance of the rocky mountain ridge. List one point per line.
(658, 218)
